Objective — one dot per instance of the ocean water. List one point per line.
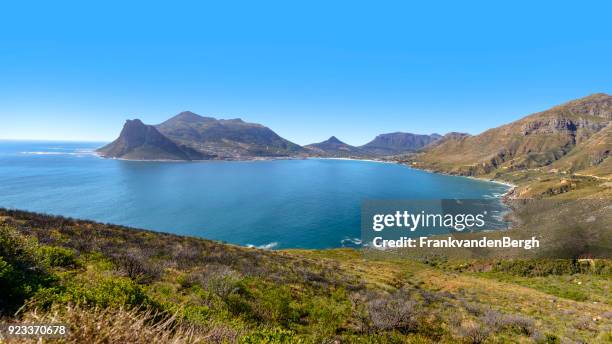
(312, 203)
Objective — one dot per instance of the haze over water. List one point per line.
(310, 203)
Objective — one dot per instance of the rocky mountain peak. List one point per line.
(334, 139)
(188, 116)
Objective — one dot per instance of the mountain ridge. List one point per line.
(541, 139)
(333, 147)
(399, 143)
(537, 140)
(232, 139)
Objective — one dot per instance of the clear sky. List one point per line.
(308, 70)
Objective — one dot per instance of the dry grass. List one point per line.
(95, 325)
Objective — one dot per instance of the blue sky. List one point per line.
(308, 70)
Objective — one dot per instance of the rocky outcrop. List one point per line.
(139, 141)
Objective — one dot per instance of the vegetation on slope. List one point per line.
(226, 139)
(116, 284)
(569, 137)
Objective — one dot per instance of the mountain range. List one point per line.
(575, 136)
(188, 136)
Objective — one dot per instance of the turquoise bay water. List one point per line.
(283, 203)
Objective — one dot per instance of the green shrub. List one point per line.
(22, 271)
(271, 336)
(552, 339)
(572, 294)
(328, 313)
(105, 292)
(262, 302)
(237, 304)
(545, 267)
(273, 304)
(56, 256)
(198, 314)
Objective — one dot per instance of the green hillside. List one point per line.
(116, 284)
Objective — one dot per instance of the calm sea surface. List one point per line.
(278, 204)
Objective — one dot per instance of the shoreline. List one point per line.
(97, 154)
(510, 186)
(244, 160)
(353, 159)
